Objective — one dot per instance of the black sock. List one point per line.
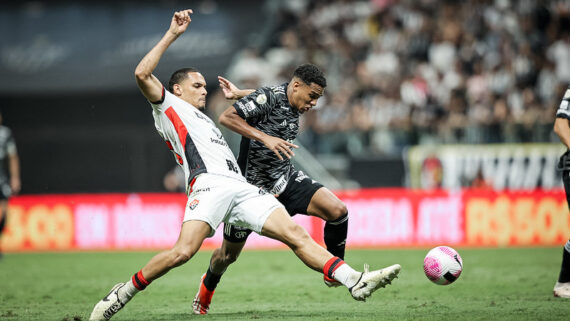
(211, 280)
(335, 236)
(565, 269)
(2, 224)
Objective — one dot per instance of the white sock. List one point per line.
(127, 291)
(346, 275)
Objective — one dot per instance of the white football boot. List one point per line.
(562, 290)
(109, 305)
(371, 281)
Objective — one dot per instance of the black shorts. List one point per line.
(296, 198)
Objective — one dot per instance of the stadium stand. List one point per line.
(403, 73)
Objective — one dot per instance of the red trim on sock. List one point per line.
(331, 266)
(142, 279)
(135, 283)
(139, 281)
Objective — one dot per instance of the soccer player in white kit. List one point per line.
(217, 192)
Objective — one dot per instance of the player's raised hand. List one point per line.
(180, 21)
(230, 90)
(280, 146)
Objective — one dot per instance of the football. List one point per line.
(443, 265)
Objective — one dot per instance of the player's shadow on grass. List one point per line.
(288, 315)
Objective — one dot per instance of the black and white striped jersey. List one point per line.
(7, 148)
(268, 110)
(564, 108)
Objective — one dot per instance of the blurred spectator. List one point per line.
(9, 173)
(408, 72)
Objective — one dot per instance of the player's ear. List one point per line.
(296, 84)
(177, 89)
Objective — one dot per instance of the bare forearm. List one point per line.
(243, 92)
(235, 123)
(149, 62)
(14, 167)
(562, 129)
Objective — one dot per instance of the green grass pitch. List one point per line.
(496, 284)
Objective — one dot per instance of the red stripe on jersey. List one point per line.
(192, 185)
(178, 125)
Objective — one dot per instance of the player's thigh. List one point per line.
(192, 234)
(281, 227)
(326, 205)
(231, 250)
(252, 207)
(298, 194)
(211, 201)
(234, 238)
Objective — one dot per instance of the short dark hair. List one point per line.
(178, 76)
(309, 73)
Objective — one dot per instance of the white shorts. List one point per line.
(215, 199)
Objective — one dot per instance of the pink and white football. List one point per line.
(443, 265)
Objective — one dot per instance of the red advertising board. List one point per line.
(378, 218)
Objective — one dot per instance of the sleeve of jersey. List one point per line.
(11, 145)
(564, 108)
(159, 105)
(255, 104)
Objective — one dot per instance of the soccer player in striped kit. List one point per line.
(562, 129)
(268, 120)
(217, 191)
(9, 179)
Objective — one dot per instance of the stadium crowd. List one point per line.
(409, 72)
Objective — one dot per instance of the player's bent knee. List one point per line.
(337, 210)
(179, 256)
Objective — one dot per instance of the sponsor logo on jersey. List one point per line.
(284, 123)
(200, 190)
(261, 99)
(218, 141)
(193, 204)
(203, 117)
(279, 186)
(250, 106)
(217, 132)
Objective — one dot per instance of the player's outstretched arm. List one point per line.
(562, 129)
(234, 122)
(149, 85)
(231, 91)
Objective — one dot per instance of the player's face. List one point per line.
(305, 96)
(193, 90)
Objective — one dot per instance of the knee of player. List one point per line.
(337, 210)
(180, 256)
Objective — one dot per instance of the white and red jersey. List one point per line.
(196, 142)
